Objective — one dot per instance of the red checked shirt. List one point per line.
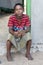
(14, 22)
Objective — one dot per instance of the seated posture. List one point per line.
(19, 34)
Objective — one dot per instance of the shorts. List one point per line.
(22, 43)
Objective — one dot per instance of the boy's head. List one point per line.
(18, 9)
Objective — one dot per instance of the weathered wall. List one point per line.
(9, 3)
(37, 23)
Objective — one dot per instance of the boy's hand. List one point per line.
(22, 32)
(19, 35)
(16, 33)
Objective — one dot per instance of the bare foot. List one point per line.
(29, 56)
(9, 58)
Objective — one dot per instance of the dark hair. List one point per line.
(17, 5)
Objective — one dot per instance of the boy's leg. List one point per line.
(9, 45)
(10, 41)
(28, 46)
(27, 43)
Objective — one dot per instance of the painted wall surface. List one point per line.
(37, 23)
(9, 3)
(15, 1)
(28, 7)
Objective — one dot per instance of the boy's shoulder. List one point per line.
(25, 16)
(12, 16)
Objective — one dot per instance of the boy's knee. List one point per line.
(28, 42)
(8, 42)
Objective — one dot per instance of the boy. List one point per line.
(19, 24)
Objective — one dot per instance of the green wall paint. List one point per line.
(28, 7)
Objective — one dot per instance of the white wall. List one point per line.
(37, 23)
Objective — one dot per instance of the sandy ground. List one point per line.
(3, 27)
(18, 58)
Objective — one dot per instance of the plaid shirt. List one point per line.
(14, 22)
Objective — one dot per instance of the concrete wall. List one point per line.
(5, 3)
(15, 1)
(37, 23)
(9, 3)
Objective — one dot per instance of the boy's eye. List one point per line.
(19, 9)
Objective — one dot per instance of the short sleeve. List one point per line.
(10, 22)
(28, 23)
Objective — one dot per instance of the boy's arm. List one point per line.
(24, 31)
(12, 32)
(10, 25)
(27, 29)
(27, 24)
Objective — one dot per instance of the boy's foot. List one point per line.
(29, 56)
(9, 58)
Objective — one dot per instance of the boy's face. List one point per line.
(19, 10)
